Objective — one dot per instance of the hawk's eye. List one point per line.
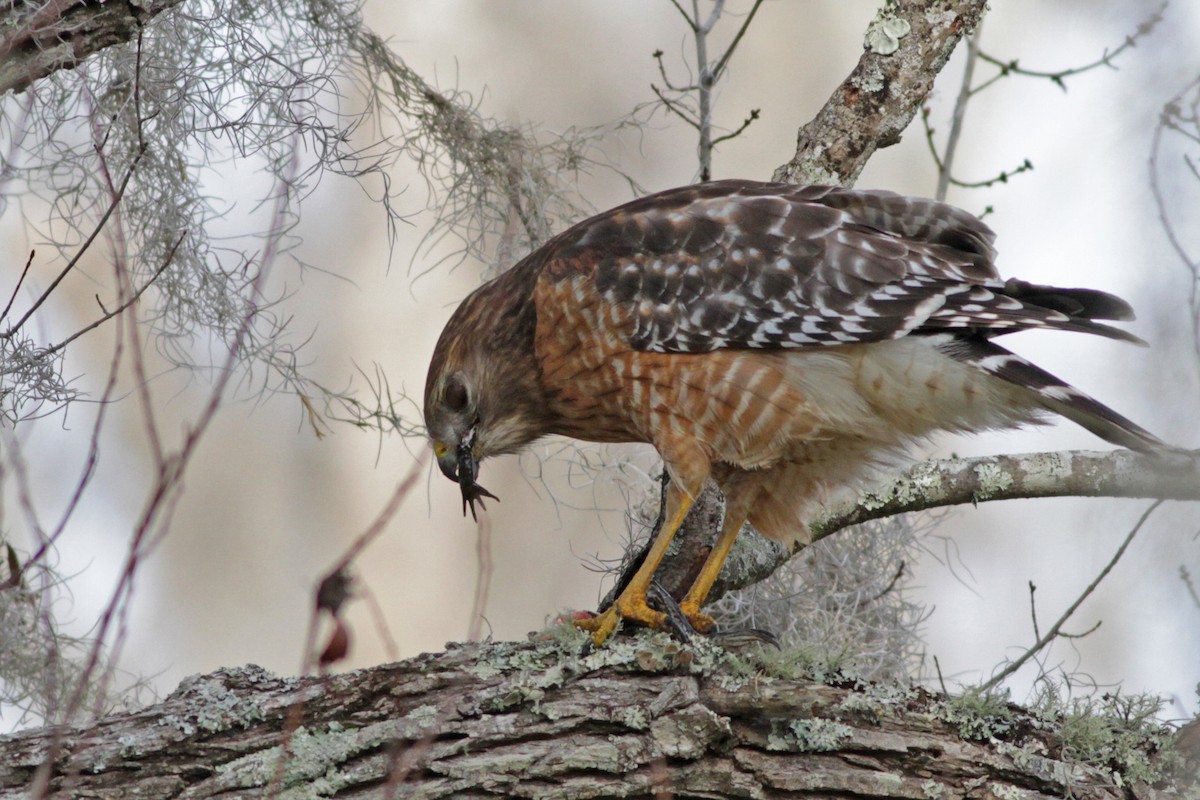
(456, 395)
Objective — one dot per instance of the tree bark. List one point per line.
(904, 50)
(39, 38)
(938, 483)
(644, 717)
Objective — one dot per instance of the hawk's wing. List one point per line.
(739, 264)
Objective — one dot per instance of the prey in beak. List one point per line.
(460, 466)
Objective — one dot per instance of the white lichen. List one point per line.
(884, 34)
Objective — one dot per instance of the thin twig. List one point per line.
(1058, 77)
(129, 302)
(1033, 610)
(723, 62)
(1169, 120)
(704, 92)
(946, 163)
(379, 524)
(671, 106)
(684, 14)
(17, 288)
(754, 112)
(93, 455)
(120, 192)
(483, 577)
(1056, 628)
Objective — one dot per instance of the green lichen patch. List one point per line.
(878, 700)
(1113, 731)
(815, 735)
(691, 732)
(886, 30)
(977, 714)
(993, 479)
(210, 705)
(1061, 738)
(795, 663)
(311, 760)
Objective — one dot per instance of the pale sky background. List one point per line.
(269, 508)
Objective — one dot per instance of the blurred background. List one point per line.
(269, 507)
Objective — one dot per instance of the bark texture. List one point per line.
(930, 484)
(644, 717)
(38, 38)
(904, 49)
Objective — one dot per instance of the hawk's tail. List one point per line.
(1058, 396)
(1080, 307)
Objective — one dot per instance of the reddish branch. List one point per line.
(38, 38)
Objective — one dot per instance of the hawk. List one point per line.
(781, 340)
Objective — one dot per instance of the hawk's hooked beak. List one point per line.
(447, 460)
(460, 466)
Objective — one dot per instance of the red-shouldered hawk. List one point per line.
(779, 339)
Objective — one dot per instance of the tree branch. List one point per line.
(644, 717)
(1071, 473)
(37, 39)
(907, 45)
(937, 483)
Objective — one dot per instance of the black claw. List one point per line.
(741, 637)
(468, 468)
(472, 492)
(684, 631)
(677, 621)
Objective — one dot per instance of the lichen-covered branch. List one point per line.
(644, 717)
(960, 481)
(38, 38)
(905, 48)
(1073, 473)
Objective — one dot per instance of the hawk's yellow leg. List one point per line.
(694, 599)
(631, 603)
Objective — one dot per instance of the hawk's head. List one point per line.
(482, 394)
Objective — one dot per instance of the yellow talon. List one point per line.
(702, 622)
(631, 606)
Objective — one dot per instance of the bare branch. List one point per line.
(723, 61)
(674, 107)
(1056, 629)
(949, 482)
(754, 114)
(1078, 473)
(1058, 77)
(37, 39)
(487, 719)
(17, 288)
(1180, 116)
(701, 119)
(966, 92)
(945, 164)
(124, 305)
(874, 105)
(117, 193)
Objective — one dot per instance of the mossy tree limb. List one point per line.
(938, 483)
(37, 39)
(905, 47)
(644, 717)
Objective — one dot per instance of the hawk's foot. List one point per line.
(700, 622)
(630, 605)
